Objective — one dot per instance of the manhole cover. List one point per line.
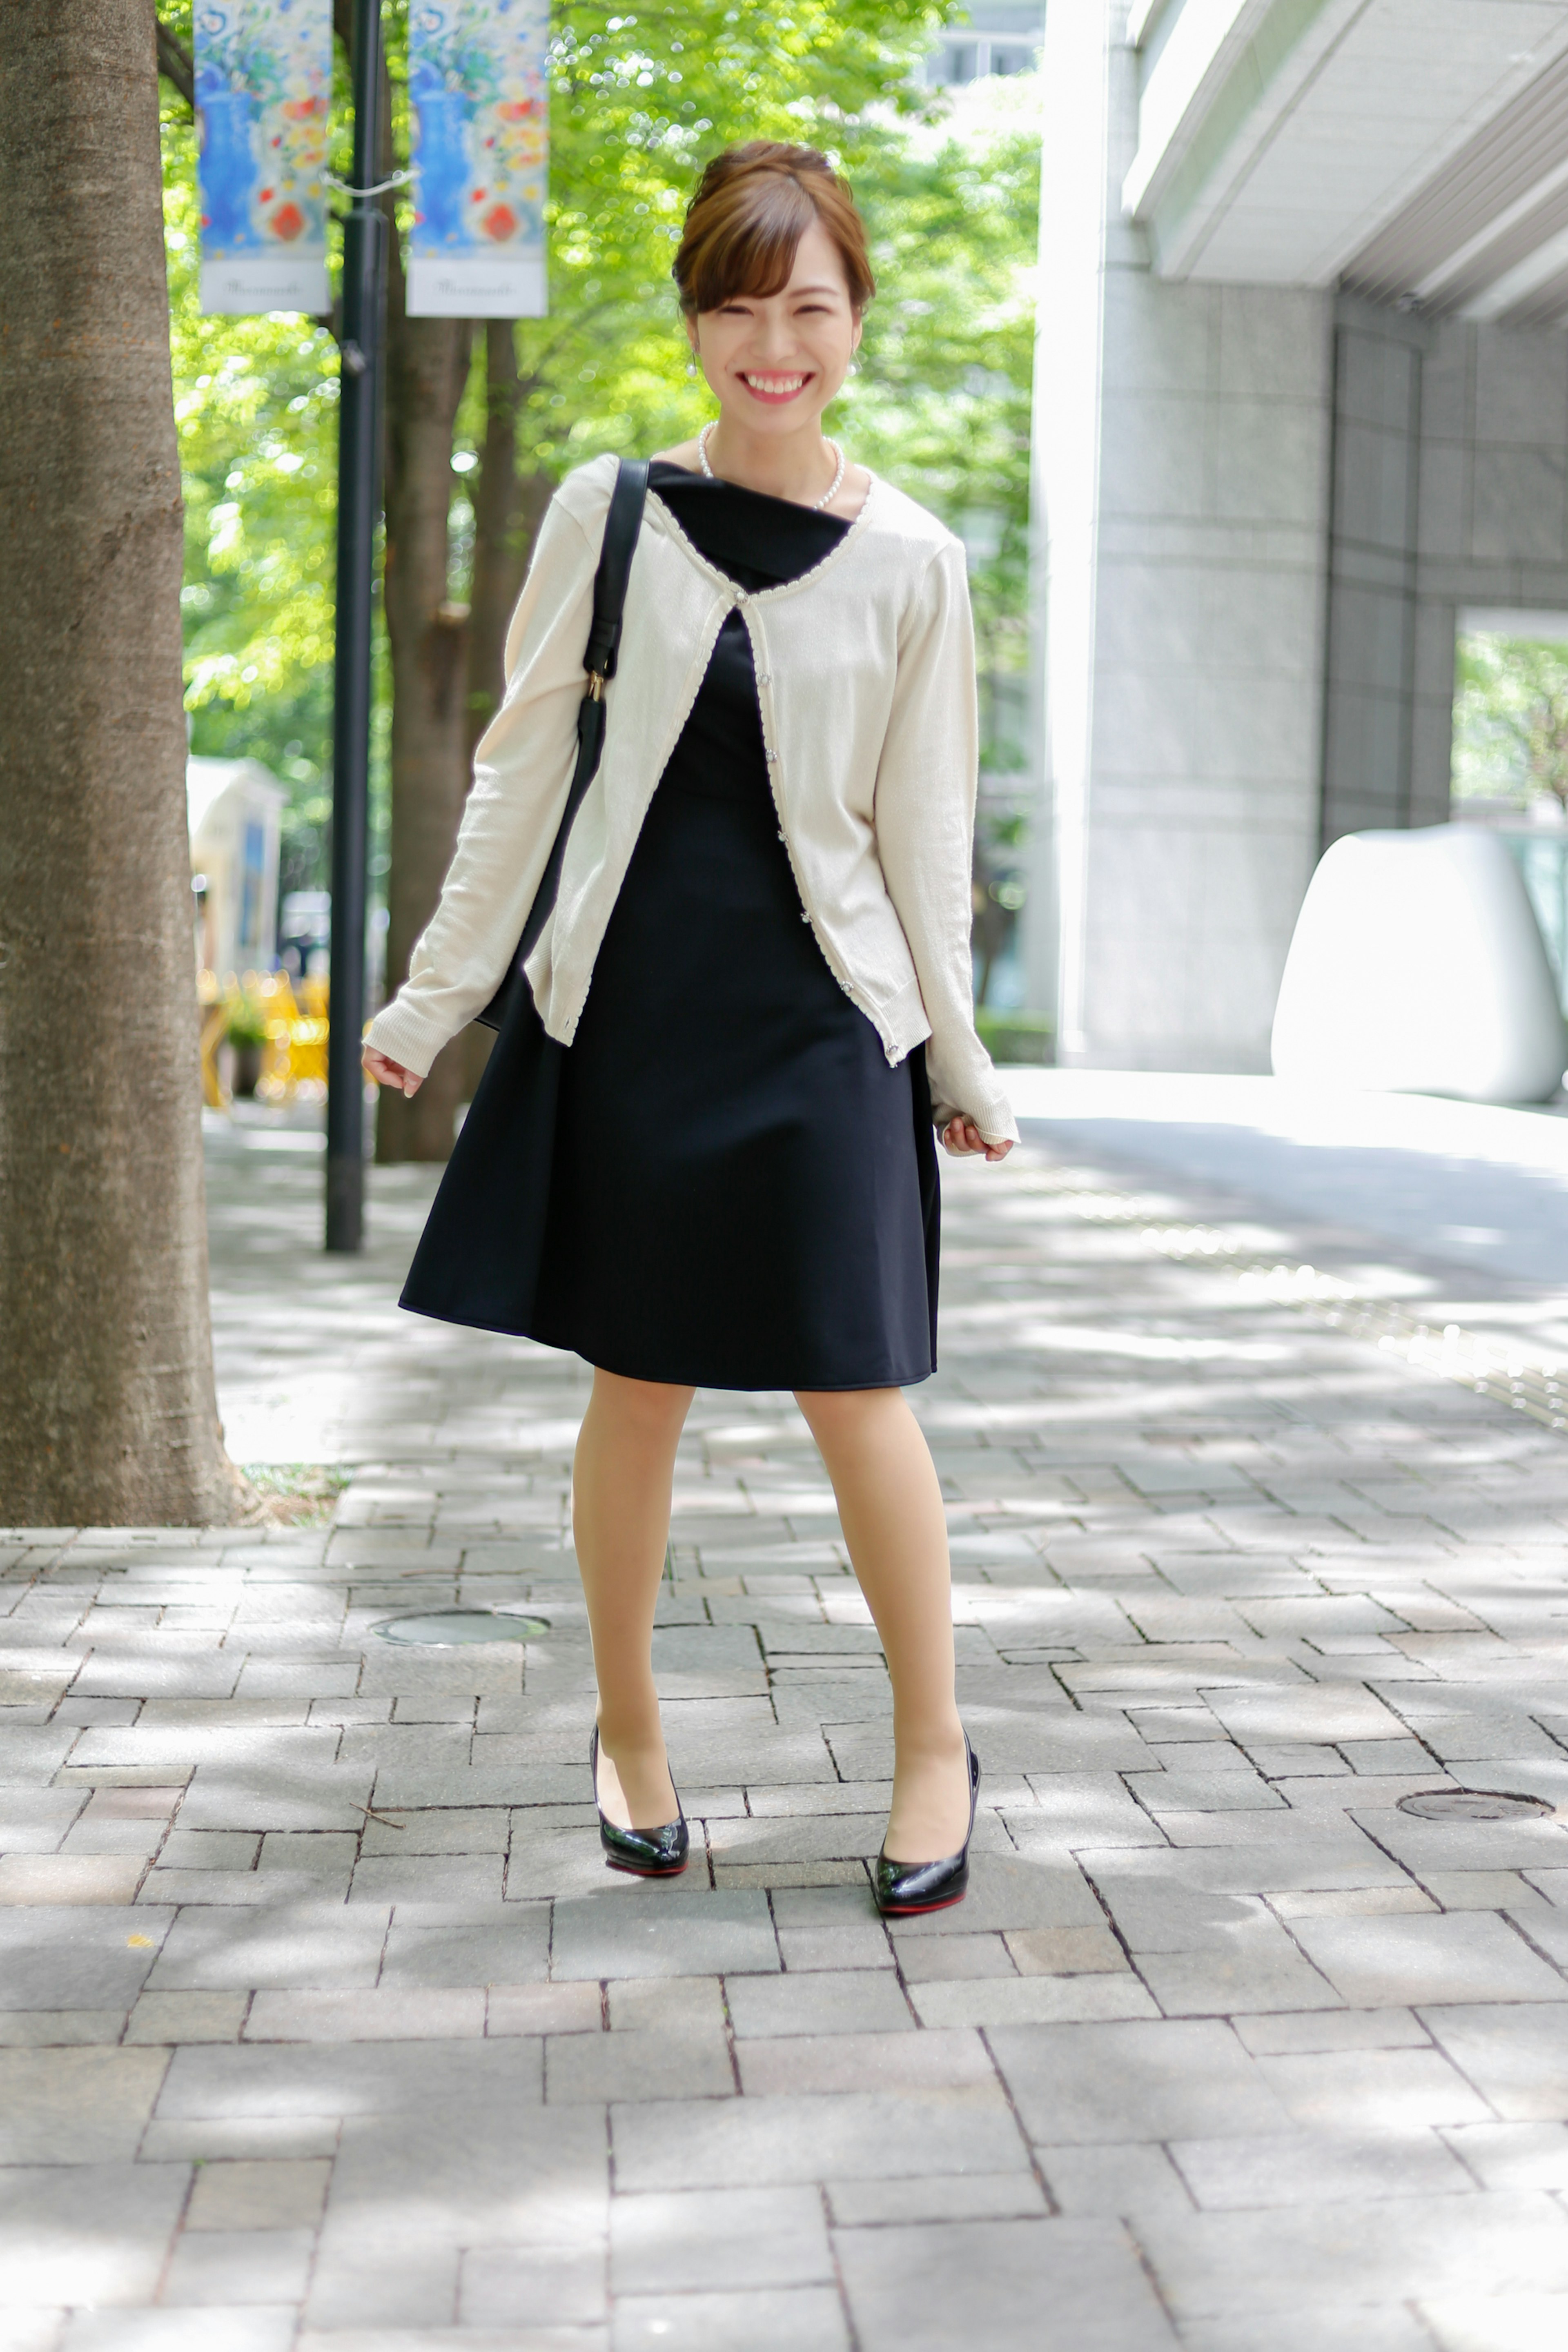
(1472, 1805)
(443, 1629)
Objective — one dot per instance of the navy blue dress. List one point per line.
(722, 1180)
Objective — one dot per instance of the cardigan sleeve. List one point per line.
(926, 782)
(522, 772)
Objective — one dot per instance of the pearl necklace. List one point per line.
(826, 500)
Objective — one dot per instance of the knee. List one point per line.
(841, 1416)
(650, 1413)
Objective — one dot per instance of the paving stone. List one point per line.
(507, 1944)
(48, 2258)
(976, 2196)
(1118, 2179)
(1388, 2250)
(1065, 1951)
(1173, 2079)
(1341, 2029)
(1331, 2166)
(543, 2009)
(667, 2005)
(280, 2079)
(847, 2002)
(242, 2140)
(852, 1944)
(305, 1947)
(78, 2106)
(58, 2029)
(1496, 2323)
(653, 1930)
(533, 2286)
(241, 2195)
(863, 2061)
(1374, 2089)
(481, 2171)
(752, 2142)
(48, 1878)
(389, 2014)
(1513, 2156)
(1030, 2000)
(1050, 2286)
(170, 2017)
(1468, 1956)
(925, 1960)
(601, 2068)
(1515, 2055)
(240, 2266)
(232, 2326)
(718, 2241)
(797, 2319)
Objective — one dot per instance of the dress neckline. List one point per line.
(756, 540)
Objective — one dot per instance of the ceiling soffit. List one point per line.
(1495, 205)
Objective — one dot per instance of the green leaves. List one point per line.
(639, 100)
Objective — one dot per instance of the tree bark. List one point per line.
(106, 1406)
(508, 511)
(428, 369)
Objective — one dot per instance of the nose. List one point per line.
(775, 337)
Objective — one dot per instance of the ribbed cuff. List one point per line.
(405, 1036)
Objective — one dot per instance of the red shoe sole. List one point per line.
(630, 1870)
(915, 1910)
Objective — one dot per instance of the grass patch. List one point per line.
(292, 1493)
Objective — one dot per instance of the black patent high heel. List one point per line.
(648, 1854)
(904, 1888)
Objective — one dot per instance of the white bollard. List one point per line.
(1417, 967)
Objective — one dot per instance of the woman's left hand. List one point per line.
(964, 1138)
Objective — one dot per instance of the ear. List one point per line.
(690, 324)
(860, 330)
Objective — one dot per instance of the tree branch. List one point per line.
(176, 65)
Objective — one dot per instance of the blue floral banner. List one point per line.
(477, 83)
(264, 89)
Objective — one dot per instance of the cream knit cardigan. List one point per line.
(865, 670)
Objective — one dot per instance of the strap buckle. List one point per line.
(596, 692)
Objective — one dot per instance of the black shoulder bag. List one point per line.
(622, 524)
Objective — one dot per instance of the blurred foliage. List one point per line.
(940, 404)
(1510, 718)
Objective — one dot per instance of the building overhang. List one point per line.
(1414, 149)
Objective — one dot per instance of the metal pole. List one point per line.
(358, 455)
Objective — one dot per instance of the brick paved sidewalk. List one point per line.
(323, 2026)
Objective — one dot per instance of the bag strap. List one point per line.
(622, 525)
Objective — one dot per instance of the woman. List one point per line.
(768, 887)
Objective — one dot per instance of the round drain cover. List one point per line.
(1472, 1805)
(444, 1629)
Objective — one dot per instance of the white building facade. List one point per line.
(1301, 398)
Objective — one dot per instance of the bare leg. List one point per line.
(621, 1478)
(890, 1507)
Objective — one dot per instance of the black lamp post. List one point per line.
(358, 469)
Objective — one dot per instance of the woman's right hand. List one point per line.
(388, 1073)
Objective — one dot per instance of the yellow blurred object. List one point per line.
(294, 1059)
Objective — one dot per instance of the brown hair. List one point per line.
(753, 204)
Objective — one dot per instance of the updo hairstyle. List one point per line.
(753, 204)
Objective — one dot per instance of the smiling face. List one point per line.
(775, 360)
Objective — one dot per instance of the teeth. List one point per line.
(775, 382)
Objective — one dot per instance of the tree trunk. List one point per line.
(107, 1407)
(428, 368)
(507, 514)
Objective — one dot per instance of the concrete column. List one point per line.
(1369, 687)
(1183, 435)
